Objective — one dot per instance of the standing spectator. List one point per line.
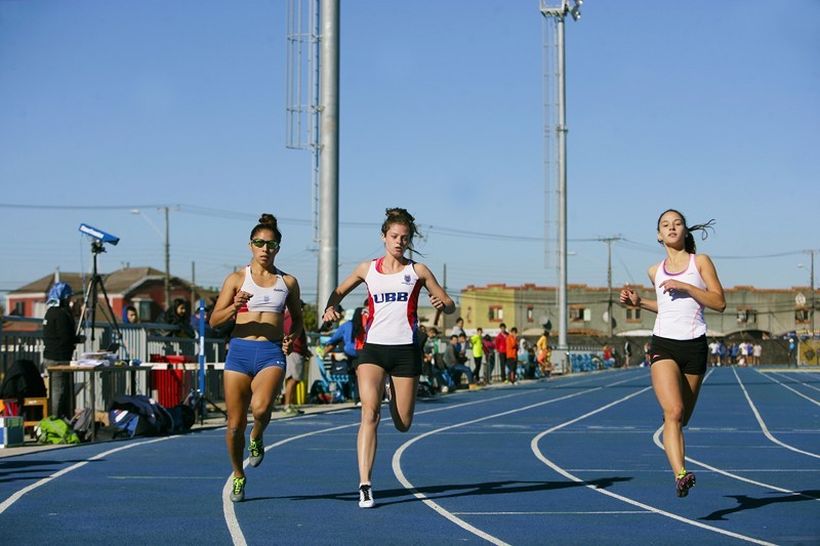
(542, 353)
(294, 370)
(714, 353)
(131, 315)
(179, 315)
(59, 340)
(458, 329)
(757, 352)
(627, 353)
(488, 346)
(512, 355)
(501, 351)
(792, 350)
(477, 346)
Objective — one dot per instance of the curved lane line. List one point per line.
(633, 502)
(657, 439)
(16, 496)
(437, 507)
(231, 521)
(762, 424)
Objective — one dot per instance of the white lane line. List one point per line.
(795, 391)
(566, 513)
(228, 511)
(657, 439)
(762, 424)
(31, 487)
(793, 380)
(633, 502)
(438, 508)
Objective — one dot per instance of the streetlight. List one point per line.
(559, 13)
(166, 238)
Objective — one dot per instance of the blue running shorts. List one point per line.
(250, 356)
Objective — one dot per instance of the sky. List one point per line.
(110, 111)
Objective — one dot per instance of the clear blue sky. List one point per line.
(709, 107)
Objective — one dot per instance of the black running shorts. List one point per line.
(689, 354)
(397, 360)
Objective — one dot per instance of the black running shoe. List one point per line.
(684, 483)
(366, 496)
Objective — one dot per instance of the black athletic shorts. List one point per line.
(689, 354)
(397, 360)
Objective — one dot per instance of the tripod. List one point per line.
(90, 305)
(197, 400)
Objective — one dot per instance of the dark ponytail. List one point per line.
(267, 221)
(689, 239)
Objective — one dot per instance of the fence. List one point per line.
(145, 342)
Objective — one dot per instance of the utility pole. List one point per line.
(167, 261)
(609, 241)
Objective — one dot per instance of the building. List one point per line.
(142, 287)
(755, 312)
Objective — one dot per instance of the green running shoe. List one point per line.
(257, 450)
(238, 491)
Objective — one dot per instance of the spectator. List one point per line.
(455, 366)
(757, 352)
(627, 353)
(542, 353)
(179, 315)
(511, 342)
(792, 349)
(488, 347)
(59, 339)
(458, 329)
(294, 371)
(477, 347)
(131, 315)
(501, 351)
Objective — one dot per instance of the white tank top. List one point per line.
(269, 299)
(392, 300)
(679, 316)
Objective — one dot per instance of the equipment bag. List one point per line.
(53, 430)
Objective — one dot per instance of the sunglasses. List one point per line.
(259, 243)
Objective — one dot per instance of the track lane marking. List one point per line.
(397, 471)
(537, 451)
(762, 423)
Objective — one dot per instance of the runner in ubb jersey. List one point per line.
(391, 350)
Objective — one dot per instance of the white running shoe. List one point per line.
(366, 496)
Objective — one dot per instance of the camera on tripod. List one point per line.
(88, 317)
(99, 237)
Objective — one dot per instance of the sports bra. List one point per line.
(270, 299)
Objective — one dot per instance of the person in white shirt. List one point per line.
(685, 283)
(391, 357)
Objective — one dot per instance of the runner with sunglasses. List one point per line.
(255, 299)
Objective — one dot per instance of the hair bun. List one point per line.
(268, 219)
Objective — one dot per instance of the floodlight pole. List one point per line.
(328, 151)
(559, 13)
(167, 261)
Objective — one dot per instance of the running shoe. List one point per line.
(293, 410)
(257, 450)
(684, 483)
(366, 496)
(238, 490)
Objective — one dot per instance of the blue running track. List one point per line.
(574, 460)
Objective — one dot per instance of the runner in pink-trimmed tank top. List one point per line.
(685, 283)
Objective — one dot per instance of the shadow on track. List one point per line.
(436, 492)
(751, 503)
